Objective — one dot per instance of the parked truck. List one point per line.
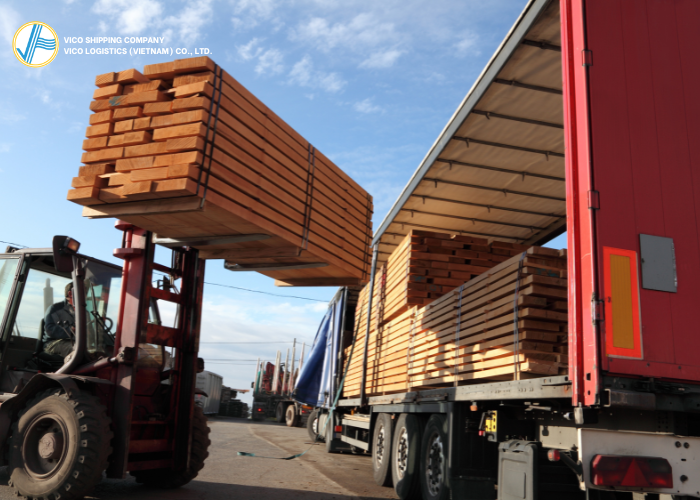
(272, 390)
(586, 121)
(208, 392)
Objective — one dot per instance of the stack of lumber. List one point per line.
(185, 151)
(426, 265)
(510, 322)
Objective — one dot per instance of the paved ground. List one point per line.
(226, 476)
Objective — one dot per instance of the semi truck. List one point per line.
(208, 391)
(272, 390)
(585, 122)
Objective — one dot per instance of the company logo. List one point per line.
(35, 44)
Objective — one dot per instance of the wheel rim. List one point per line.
(380, 445)
(436, 461)
(44, 448)
(314, 426)
(402, 453)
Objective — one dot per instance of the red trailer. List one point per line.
(586, 120)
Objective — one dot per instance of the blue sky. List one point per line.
(370, 84)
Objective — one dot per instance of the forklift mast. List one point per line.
(142, 442)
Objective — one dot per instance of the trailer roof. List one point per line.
(497, 168)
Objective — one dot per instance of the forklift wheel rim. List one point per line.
(35, 465)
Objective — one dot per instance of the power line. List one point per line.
(14, 244)
(266, 293)
(278, 342)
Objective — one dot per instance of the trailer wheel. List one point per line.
(166, 478)
(433, 459)
(59, 446)
(292, 416)
(405, 452)
(312, 427)
(381, 449)
(280, 413)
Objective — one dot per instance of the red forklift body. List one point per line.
(633, 172)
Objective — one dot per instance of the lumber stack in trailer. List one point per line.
(185, 151)
(469, 334)
(426, 265)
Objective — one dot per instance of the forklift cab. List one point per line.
(30, 283)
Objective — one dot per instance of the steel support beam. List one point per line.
(514, 83)
(474, 220)
(542, 45)
(488, 207)
(489, 115)
(469, 140)
(499, 169)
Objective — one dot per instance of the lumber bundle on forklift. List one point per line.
(185, 151)
(469, 334)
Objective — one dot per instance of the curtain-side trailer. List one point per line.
(586, 120)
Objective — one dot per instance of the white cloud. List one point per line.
(366, 106)
(68, 2)
(250, 50)
(467, 44)
(249, 13)
(383, 59)
(270, 62)
(303, 74)
(190, 21)
(103, 27)
(45, 96)
(360, 32)
(9, 22)
(132, 16)
(4, 147)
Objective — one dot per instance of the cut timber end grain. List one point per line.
(105, 79)
(93, 144)
(199, 77)
(165, 71)
(157, 108)
(193, 65)
(107, 92)
(130, 139)
(126, 113)
(143, 87)
(149, 174)
(178, 118)
(191, 103)
(103, 154)
(204, 88)
(177, 171)
(192, 129)
(101, 117)
(184, 144)
(89, 181)
(96, 169)
(97, 106)
(142, 123)
(85, 196)
(99, 130)
(134, 188)
(146, 97)
(123, 126)
(131, 76)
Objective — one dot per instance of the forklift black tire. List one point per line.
(405, 455)
(434, 451)
(60, 446)
(166, 478)
(381, 449)
(312, 427)
(280, 413)
(292, 417)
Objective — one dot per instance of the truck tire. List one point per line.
(166, 478)
(433, 459)
(312, 427)
(280, 413)
(405, 453)
(59, 446)
(292, 416)
(381, 449)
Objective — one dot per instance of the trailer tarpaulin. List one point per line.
(316, 384)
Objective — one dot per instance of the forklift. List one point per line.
(123, 400)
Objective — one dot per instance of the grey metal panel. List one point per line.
(355, 442)
(499, 60)
(414, 408)
(349, 402)
(658, 257)
(356, 423)
(545, 387)
(517, 470)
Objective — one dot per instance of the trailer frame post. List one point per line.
(363, 396)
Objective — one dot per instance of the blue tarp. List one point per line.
(317, 381)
